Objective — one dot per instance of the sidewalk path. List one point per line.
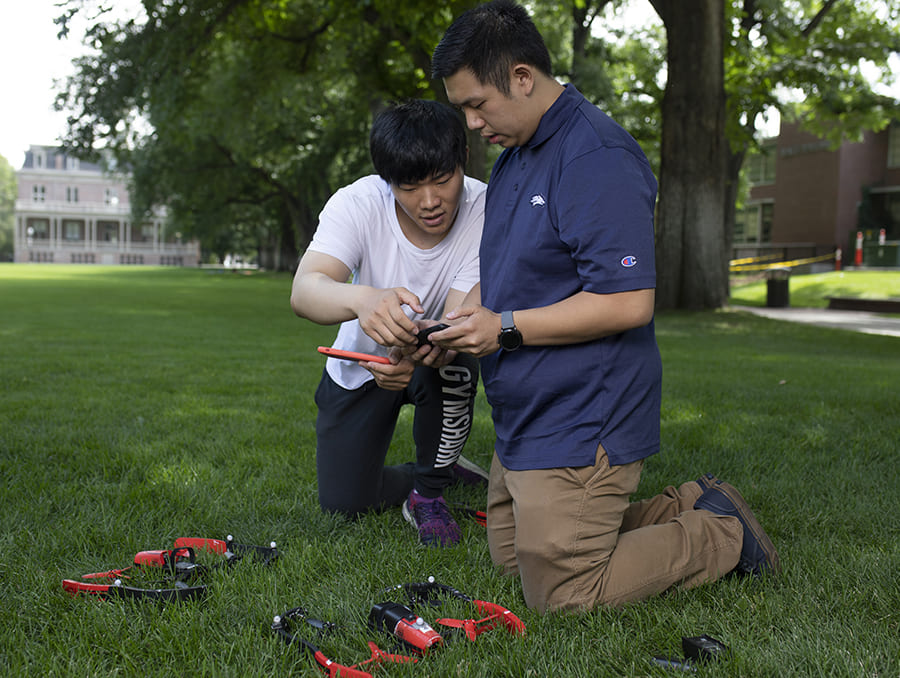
(858, 321)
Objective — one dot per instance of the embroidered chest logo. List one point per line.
(629, 261)
(537, 200)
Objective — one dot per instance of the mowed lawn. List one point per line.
(812, 291)
(139, 405)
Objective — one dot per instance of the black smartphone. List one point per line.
(423, 334)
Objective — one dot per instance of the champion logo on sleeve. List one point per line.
(629, 261)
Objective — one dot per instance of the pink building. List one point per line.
(72, 212)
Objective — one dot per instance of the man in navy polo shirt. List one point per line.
(567, 295)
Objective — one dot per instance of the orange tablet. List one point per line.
(353, 355)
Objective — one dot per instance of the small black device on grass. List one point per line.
(704, 648)
(697, 649)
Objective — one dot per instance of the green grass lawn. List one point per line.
(139, 405)
(812, 291)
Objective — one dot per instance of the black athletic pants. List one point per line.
(354, 431)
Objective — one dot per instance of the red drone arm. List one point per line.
(379, 656)
(335, 670)
(109, 574)
(497, 615)
(74, 587)
(199, 543)
(231, 550)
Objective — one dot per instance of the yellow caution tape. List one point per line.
(753, 260)
(779, 264)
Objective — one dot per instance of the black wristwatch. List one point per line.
(510, 338)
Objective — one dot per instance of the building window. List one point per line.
(740, 226)
(38, 228)
(107, 231)
(111, 196)
(72, 163)
(746, 225)
(891, 215)
(71, 229)
(893, 209)
(893, 159)
(761, 167)
(71, 194)
(753, 224)
(38, 193)
(766, 212)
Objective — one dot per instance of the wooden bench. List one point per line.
(871, 305)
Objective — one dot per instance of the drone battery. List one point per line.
(404, 624)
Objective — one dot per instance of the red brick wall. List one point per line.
(818, 190)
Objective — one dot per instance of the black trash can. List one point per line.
(778, 292)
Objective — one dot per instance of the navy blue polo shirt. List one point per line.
(571, 210)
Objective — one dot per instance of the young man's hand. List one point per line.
(431, 355)
(475, 330)
(381, 316)
(427, 353)
(393, 377)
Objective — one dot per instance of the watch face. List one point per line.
(510, 339)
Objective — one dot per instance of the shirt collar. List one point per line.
(556, 115)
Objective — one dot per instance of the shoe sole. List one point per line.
(407, 514)
(772, 561)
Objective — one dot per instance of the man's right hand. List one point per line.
(474, 331)
(381, 315)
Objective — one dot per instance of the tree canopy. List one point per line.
(243, 116)
(8, 194)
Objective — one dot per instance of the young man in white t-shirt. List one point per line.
(392, 253)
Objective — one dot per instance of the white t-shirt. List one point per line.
(359, 227)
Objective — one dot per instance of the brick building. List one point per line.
(72, 212)
(806, 198)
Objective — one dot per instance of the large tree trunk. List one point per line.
(277, 246)
(734, 162)
(691, 252)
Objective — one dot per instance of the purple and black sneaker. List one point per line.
(432, 519)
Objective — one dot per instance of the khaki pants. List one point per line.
(576, 541)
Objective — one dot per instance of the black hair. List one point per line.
(489, 40)
(415, 140)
